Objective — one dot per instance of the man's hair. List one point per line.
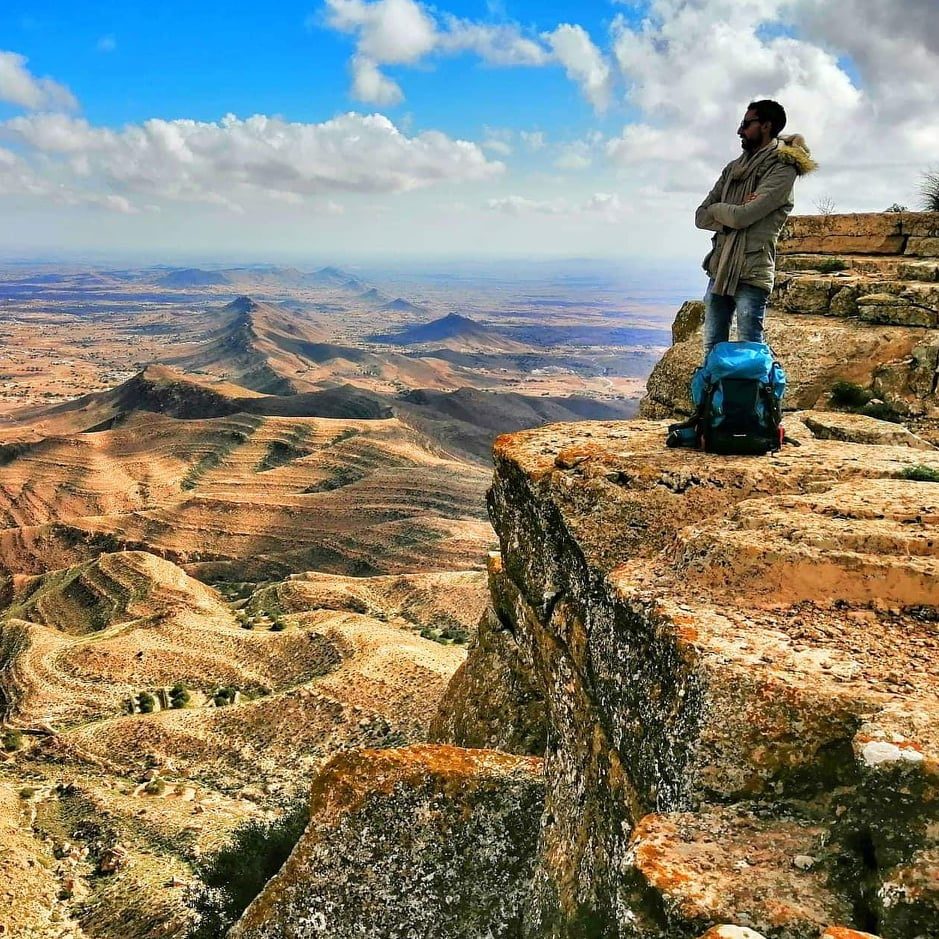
(771, 111)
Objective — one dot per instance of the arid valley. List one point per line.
(244, 528)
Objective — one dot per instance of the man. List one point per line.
(747, 209)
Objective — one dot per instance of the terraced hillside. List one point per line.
(163, 685)
(154, 717)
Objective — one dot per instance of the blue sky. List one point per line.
(203, 60)
(393, 127)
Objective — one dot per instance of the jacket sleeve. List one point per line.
(703, 217)
(774, 190)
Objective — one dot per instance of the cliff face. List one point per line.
(856, 299)
(735, 658)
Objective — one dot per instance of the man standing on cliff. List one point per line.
(746, 209)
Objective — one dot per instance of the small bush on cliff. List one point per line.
(224, 696)
(179, 695)
(929, 190)
(232, 878)
(12, 740)
(831, 266)
(146, 702)
(846, 394)
(920, 473)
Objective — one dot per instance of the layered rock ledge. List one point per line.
(733, 663)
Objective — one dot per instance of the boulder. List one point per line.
(922, 247)
(815, 352)
(740, 864)
(919, 270)
(688, 320)
(421, 841)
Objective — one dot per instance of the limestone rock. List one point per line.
(422, 841)
(859, 428)
(919, 270)
(896, 310)
(923, 247)
(719, 642)
(688, 320)
(871, 233)
(731, 932)
(909, 897)
(733, 864)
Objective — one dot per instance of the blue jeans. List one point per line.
(749, 303)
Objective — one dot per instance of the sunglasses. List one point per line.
(746, 123)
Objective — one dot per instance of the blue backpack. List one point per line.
(737, 395)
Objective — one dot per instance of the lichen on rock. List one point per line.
(421, 841)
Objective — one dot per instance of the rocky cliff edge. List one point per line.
(728, 666)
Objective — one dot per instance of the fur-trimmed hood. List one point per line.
(793, 149)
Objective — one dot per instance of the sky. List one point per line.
(353, 129)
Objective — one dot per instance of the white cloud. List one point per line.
(583, 62)
(575, 156)
(239, 161)
(857, 79)
(533, 139)
(20, 87)
(495, 45)
(371, 86)
(388, 31)
(106, 44)
(603, 205)
(404, 32)
(520, 205)
(497, 146)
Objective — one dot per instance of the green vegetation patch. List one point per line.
(447, 635)
(224, 696)
(77, 599)
(920, 473)
(339, 477)
(831, 266)
(12, 740)
(232, 878)
(881, 411)
(847, 394)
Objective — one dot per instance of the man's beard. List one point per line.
(748, 145)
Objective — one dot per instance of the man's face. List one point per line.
(751, 132)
